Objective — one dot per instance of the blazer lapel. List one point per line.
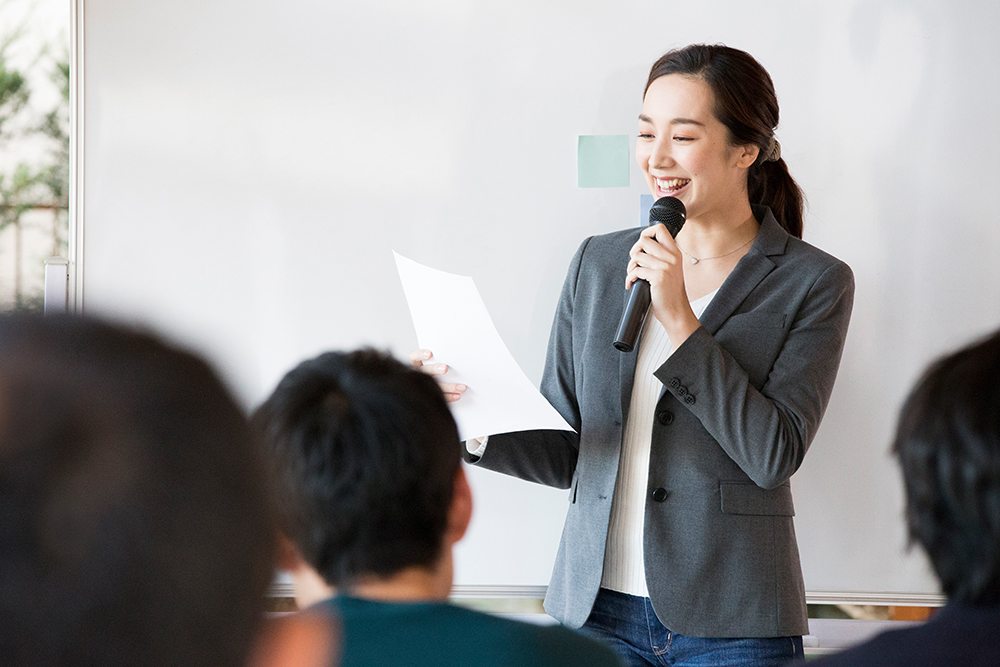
(749, 271)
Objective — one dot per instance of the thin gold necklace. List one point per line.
(695, 260)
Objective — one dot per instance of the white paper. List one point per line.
(452, 322)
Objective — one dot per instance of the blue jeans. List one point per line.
(629, 626)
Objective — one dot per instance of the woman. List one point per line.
(679, 546)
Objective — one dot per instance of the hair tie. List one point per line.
(775, 153)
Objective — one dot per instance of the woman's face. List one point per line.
(684, 150)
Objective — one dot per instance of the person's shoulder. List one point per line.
(954, 637)
(802, 251)
(609, 242)
(812, 266)
(530, 644)
(443, 634)
(553, 645)
(889, 649)
(785, 249)
(615, 239)
(558, 646)
(598, 252)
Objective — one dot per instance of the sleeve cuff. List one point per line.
(477, 447)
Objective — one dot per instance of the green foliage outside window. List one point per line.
(41, 183)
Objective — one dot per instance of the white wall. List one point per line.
(249, 166)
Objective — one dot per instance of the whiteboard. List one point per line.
(246, 168)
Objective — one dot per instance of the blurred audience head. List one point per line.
(948, 446)
(135, 527)
(366, 461)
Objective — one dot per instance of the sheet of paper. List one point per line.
(451, 320)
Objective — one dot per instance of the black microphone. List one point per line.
(670, 211)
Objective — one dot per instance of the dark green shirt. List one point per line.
(437, 634)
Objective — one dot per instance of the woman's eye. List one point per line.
(645, 135)
(682, 139)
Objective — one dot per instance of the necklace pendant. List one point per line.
(694, 260)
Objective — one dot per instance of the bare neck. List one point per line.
(410, 585)
(714, 236)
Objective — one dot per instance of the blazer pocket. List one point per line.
(748, 498)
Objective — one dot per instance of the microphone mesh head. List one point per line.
(670, 211)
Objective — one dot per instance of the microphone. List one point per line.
(670, 211)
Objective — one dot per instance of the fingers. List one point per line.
(418, 357)
(660, 232)
(631, 273)
(650, 257)
(655, 241)
(452, 390)
(640, 273)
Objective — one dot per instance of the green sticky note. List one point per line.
(602, 161)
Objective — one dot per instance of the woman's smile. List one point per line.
(670, 187)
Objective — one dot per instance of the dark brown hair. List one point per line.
(135, 522)
(746, 104)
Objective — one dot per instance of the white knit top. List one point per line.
(623, 559)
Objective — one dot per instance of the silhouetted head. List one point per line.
(365, 455)
(948, 446)
(134, 523)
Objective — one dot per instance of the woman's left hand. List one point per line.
(656, 259)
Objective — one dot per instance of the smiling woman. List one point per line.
(679, 542)
(742, 99)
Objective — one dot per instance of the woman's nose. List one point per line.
(661, 155)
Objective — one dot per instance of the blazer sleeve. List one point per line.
(766, 431)
(547, 456)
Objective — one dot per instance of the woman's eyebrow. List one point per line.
(676, 121)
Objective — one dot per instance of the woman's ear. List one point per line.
(746, 155)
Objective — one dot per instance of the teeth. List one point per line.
(671, 184)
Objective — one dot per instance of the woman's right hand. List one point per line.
(419, 358)
(656, 259)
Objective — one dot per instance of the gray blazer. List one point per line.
(742, 399)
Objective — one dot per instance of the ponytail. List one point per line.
(769, 183)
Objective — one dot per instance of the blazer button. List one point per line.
(689, 399)
(665, 417)
(673, 383)
(660, 494)
(682, 391)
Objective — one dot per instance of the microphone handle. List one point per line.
(638, 303)
(633, 316)
(671, 213)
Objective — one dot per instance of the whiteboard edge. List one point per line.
(284, 589)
